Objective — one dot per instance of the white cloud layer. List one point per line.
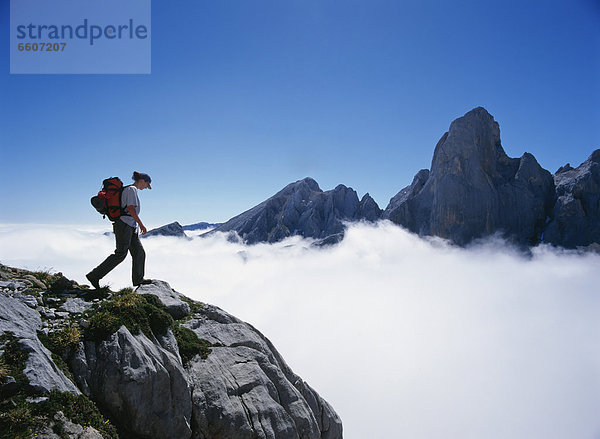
(406, 338)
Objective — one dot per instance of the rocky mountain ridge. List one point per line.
(472, 190)
(150, 363)
(302, 208)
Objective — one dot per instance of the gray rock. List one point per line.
(23, 284)
(36, 400)
(576, 216)
(12, 285)
(30, 301)
(48, 313)
(168, 296)
(474, 189)
(75, 306)
(172, 229)
(244, 389)
(139, 381)
(44, 376)
(61, 314)
(35, 281)
(301, 208)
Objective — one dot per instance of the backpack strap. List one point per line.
(124, 211)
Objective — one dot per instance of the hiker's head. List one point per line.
(142, 181)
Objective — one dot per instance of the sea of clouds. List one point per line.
(405, 337)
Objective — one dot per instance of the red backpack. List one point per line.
(108, 200)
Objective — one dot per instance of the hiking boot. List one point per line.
(95, 282)
(142, 282)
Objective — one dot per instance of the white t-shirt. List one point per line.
(129, 197)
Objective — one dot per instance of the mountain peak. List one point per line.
(302, 208)
(474, 189)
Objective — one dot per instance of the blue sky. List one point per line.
(248, 96)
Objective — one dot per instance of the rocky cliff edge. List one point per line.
(150, 363)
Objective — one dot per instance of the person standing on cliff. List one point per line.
(126, 235)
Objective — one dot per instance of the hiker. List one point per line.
(126, 235)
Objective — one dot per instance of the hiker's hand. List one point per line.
(143, 229)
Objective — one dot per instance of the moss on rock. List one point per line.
(189, 344)
(137, 312)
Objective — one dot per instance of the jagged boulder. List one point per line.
(474, 189)
(302, 208)
(244, 389)
(41, 371)
(576, 215)
(139, 381)
(173, 301)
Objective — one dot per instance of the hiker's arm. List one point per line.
(134, 215)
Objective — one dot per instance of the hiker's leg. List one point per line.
(139, 259)
(123, 234)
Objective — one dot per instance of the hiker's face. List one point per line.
(142, 184)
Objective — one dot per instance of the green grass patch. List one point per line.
(190, 344)
(138, 312)
(20, 419)
(66, 340)
(80, 410)
(13, 359)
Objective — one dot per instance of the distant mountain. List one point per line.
(172, 229)
(302, 208)
(201, 226)
(474, 189)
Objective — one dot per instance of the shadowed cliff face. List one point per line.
(576, 215)
(474, 189)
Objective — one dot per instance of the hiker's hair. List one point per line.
(136, 176)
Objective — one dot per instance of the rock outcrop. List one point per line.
(576, 214)
(245, 383)
(18, 318)
(139, 382)
(474, 189)
(153, 362)
(302, 208)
